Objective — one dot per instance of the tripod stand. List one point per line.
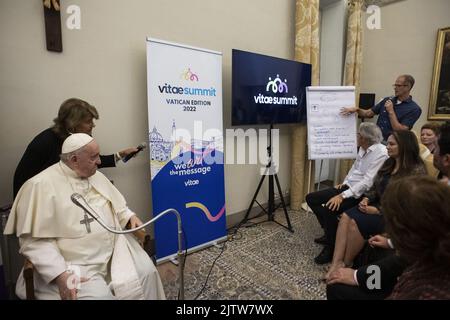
(272, 176)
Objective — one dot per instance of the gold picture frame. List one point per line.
(439, 108)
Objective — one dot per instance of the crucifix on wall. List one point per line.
(52, 16)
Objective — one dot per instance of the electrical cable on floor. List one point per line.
(209, 273)
(230, 237)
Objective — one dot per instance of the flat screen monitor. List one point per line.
(366, 100)
(268, 90)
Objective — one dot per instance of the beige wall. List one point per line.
(333, 26)
(105, 64)
(405, 44)
(332, 43)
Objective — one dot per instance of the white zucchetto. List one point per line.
(75, 141)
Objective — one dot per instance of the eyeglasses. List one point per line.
(399, 85)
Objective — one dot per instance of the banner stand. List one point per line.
(184, 91)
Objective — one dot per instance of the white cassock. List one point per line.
(55, 235)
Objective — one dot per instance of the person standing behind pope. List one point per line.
(74, 116)
(63, 242)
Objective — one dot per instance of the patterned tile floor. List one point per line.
(264, 261)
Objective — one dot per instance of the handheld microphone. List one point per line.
(392, 98)
(140, 147)
(76, 197)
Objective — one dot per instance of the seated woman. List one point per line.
(361, 222)
(428, 136)
(417, 216)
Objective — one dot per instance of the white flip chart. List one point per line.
(330, 134)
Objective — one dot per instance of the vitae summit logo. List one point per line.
(276, 86)
(189, 75)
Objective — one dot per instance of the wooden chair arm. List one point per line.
(146, 242)
(28, 270)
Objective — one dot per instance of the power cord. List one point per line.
(210, 270)
(230, 237)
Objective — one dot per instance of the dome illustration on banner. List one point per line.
(163, 150)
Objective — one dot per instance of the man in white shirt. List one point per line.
(73, 256)
(328, 204)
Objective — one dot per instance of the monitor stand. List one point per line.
(271, 204)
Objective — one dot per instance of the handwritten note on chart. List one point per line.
(330, 135)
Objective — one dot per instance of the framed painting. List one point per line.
(439, 108)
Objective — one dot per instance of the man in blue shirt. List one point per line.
(397, 112)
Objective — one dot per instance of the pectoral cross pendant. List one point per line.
(87, 222)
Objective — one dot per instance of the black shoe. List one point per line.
(321, 240)
(325, 256)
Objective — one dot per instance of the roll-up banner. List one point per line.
(184, 90)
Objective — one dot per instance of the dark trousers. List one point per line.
(329, 219)
(391, 266)
(340, 291)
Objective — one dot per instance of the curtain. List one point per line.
(306, 51)
(353, 60)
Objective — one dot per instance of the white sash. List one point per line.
(124, 276)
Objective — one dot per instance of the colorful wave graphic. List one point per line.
(206, 211)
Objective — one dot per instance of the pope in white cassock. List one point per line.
(74, 257)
